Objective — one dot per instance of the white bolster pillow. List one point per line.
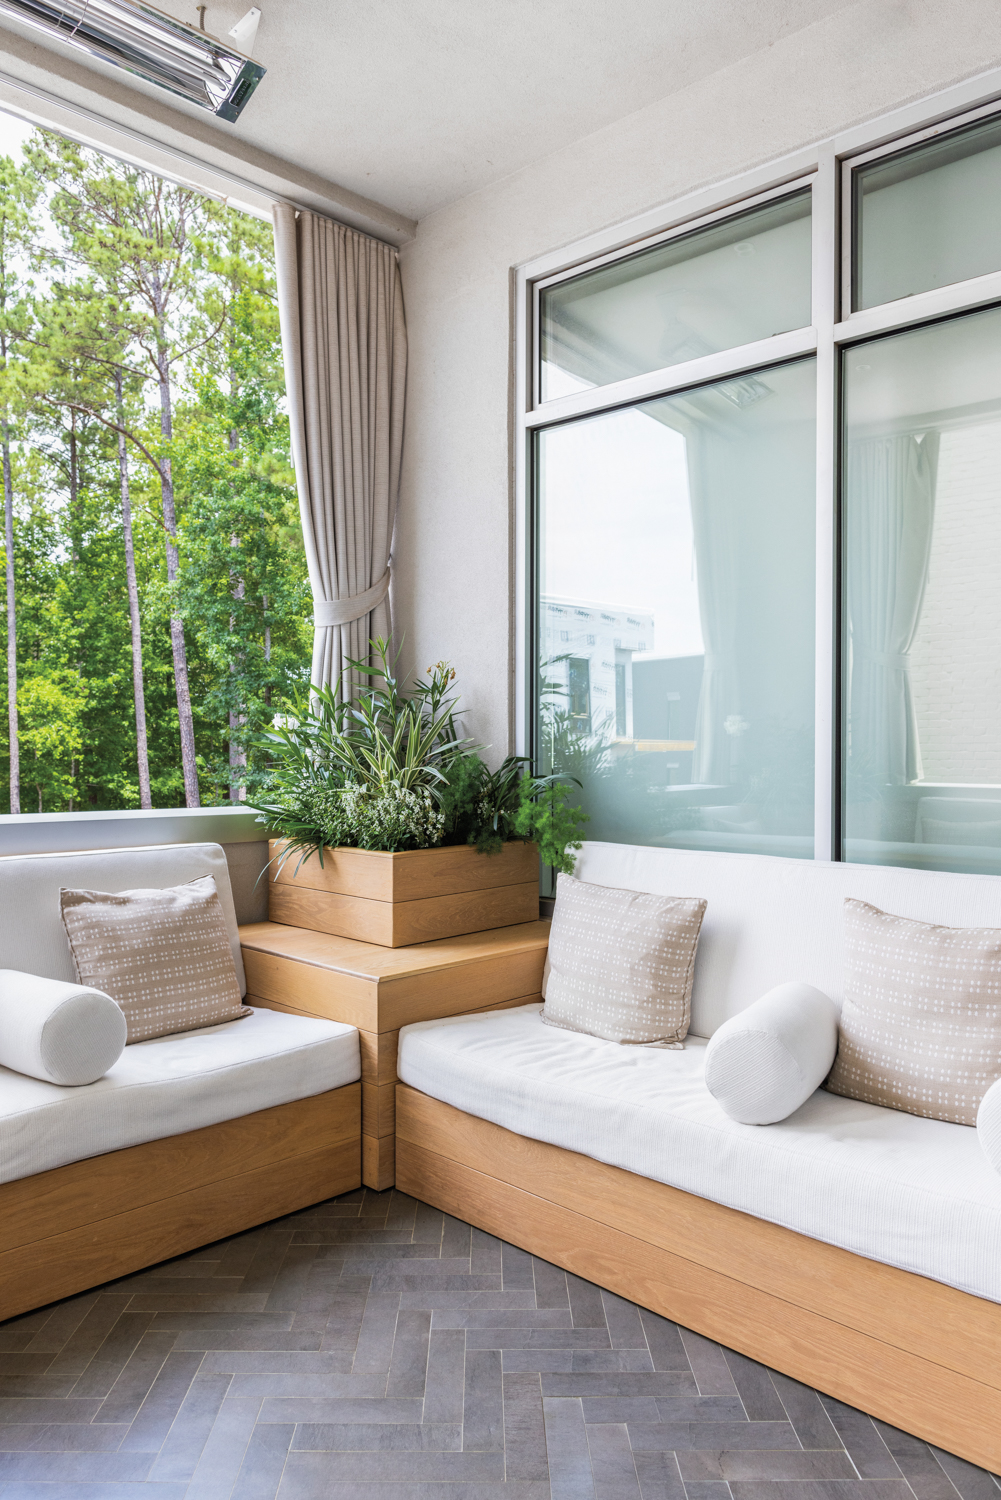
(59, 1032)
(989, 1125)
(764, 1063)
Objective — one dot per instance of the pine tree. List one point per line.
(18, 194)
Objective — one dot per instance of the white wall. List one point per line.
(454, 545)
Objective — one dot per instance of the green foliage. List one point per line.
(368, 772)
(123, 292)
(388, 771)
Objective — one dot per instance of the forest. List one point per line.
(157, 604)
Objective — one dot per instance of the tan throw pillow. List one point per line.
(621, 963)
(164, 956)
(921, 1023)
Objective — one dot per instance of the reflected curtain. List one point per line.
(713, 491)
(344, 339)
(891, 506)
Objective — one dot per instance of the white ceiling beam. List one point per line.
(44, 86)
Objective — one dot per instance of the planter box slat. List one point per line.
(396, 900)
(412, 876)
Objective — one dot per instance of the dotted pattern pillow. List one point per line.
(621, 963)
(921, 1024)
(164, 956)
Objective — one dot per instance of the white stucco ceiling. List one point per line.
(414, 103)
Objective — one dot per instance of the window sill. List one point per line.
(56, 833)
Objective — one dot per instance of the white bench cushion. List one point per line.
(911, 1192)
(173, 1084)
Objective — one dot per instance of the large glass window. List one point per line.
(676, 614)
(928, 217)
(922, 644)
(731, 283)
(710, 686)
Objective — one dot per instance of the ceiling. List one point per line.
(415, 103)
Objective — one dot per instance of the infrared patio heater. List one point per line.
(152, 45)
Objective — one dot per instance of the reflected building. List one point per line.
(588, 650)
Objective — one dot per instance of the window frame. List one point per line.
(827, 168)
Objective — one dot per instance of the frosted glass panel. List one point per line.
(928, 217)
(730, 284)
(676, 613)
(922, 557)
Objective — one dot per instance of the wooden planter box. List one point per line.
(399, 899)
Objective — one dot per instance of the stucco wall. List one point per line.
(453, 553)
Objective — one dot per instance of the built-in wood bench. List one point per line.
(381, 989)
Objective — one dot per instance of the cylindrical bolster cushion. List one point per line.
(62, 1033)
(989, 1125)
(766, 1062)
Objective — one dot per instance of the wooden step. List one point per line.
(379, 989)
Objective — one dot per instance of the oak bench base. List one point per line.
(911, 1351)
(75, 1227)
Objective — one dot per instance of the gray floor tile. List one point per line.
(806, 1412)
(312, 1409)
(708, 1364)
(753, 1382)
(658, 1476)
(517, 1268)
(625, 1327)
(387, 1464)
(620, 1383)
(665, 1343)
(81, 1467)
(866, 1448)
(189, 1431)
(408, 1365)
(585, 1304)
(263, 1463)
(969, 1482)
(378, 1332)
(455, 1240)
(524, 1428)
(482, 1402)
(225, 1448)
(156, 1415)
(60, 1437)
(743, 1463)
(550, 1285)
(133, 1385)
(406, 1437)
(612, 1467)
(501, 1317)
(709, 1435)
(566, 1441)
(445, 1376)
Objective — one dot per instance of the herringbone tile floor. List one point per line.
(375, 1348)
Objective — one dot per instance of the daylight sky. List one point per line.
(13, 132)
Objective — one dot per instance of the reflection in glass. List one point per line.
(729, 284)
(922, 558)
(928, 217)
(676, 614)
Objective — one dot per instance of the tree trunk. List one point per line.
(8, 510)
(138, 688)
(186, 724)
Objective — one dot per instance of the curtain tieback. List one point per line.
(894, 659)
(328, 612)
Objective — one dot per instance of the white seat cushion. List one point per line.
(912, 1192)
(173, 1084)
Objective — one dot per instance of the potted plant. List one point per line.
(415, 837)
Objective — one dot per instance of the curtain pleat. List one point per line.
(891, 508)
(344, 338)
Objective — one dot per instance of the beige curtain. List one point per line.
(345, 344)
